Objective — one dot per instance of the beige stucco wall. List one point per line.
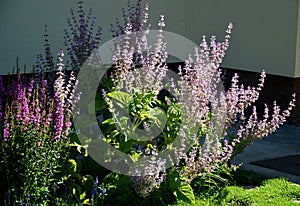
(264, 36)
(22, 26)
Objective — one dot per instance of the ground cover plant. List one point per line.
(200, 127)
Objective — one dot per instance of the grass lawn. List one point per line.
(253, 189)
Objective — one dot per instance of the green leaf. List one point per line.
(73, 165)
(144, 115)
(86, 201)
(123, 121)
(174, 180)
(134, 156)
(110, 121)
(122, 97)
(158, 116)
(181, 189)
(126, 146)
(82, 196)
(185, 193)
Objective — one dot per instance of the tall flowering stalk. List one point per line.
(81, 38)
(34, 143)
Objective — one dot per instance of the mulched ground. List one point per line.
(287, 164)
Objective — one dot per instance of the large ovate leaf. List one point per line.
(185, 193)
(126, 146)
(158, 116)
(121, 97)
(180, 188)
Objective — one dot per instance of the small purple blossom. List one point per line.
(6, 132)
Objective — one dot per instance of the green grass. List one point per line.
(253, 189)
(271, 192)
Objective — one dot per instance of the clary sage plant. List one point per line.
(210, 123)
